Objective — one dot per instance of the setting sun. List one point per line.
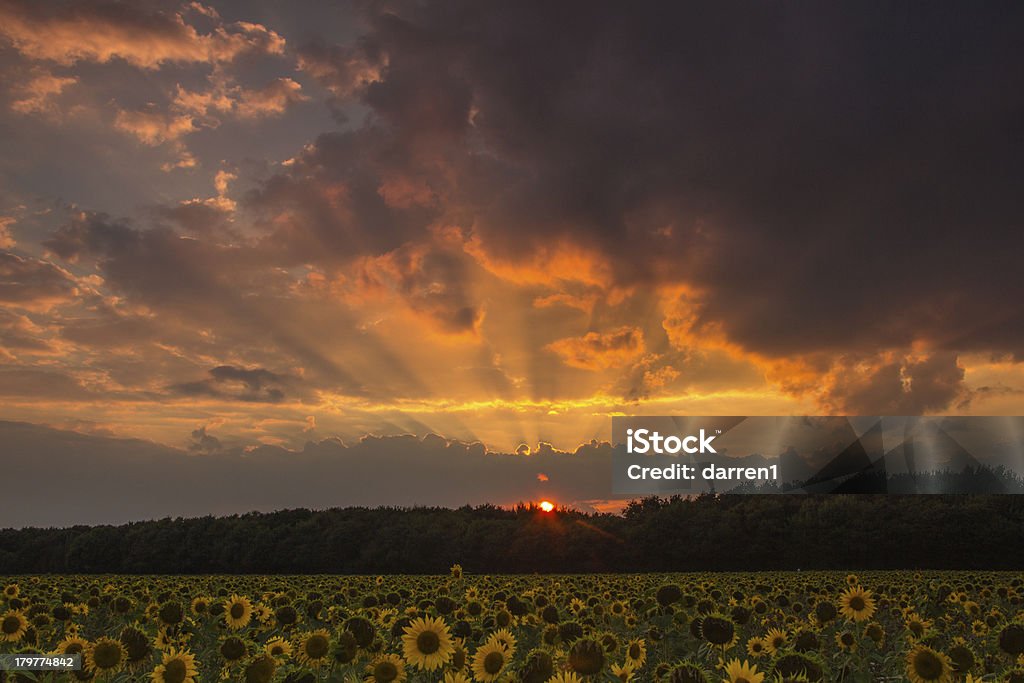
(547, 506)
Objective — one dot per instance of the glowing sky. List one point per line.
(242, 223)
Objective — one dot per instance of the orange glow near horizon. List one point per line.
(546, 506)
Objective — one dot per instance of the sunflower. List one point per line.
(11, 590)
(504, 637)
(757, 647)
(624, 673)
(164, 639)
(170, 613)
(742, 672)
(262, 613)
(456, 571)
(636, 652)
(857, 604)
(427, 643)
(386, 669)
(961, 656)
(925, 665)
(233, 649)
(586, 657)
(260, 670)
(846, 641)
(105, 656)
(683, 672)
(455, 677)
(200, 606)
(178, 666)
(775, 640)
(489, 662)
(917, 626)
(13, 625)
(237, 612)
(137, 646)
(278, 648)
(1010, 639)
(313, 648)
(565, 677)
(71, 645)
(718, 630)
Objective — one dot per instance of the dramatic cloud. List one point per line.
(224, 98)
(504, 222)
(344, 70)
(601, 350)
(241, 384)
(99, 31)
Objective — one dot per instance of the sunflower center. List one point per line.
(237, 610)
(106, 655)
(740, 679)
(634, 651)
(857, 603)
(428, 643)
(175, 671)
(1011, 640)
(11, 625)
(232, 649)
(385, 672)
(927, 666)
(717, 631)
(493, 663)
(317, 647)
(277, 650)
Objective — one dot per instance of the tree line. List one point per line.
(709, 532)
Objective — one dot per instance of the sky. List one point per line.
(234, 225)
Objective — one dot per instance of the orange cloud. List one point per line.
(270, 100)
(153, 127)
(583, 302)
(99, 33)
(37, 95)
(342, 70)
(547, 265)
(601, 350)
(6, 240)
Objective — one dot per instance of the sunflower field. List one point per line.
(460, 628)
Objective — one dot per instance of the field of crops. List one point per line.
(742, 628)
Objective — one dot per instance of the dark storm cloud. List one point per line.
(240, 384)
(330, 207)
(841, 177)
(105, 480)
(899, 388)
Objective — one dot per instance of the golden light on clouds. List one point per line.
(216, 223)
